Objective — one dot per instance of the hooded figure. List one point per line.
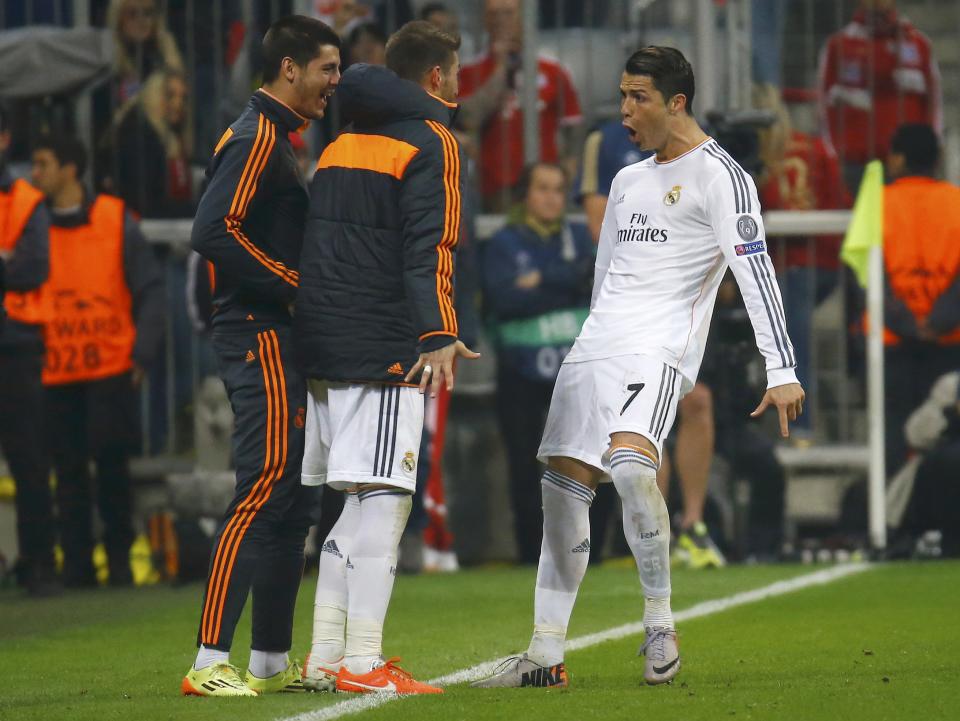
(376, 274)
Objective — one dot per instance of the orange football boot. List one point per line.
(388, 678)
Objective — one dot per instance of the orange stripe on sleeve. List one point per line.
(442, 267)
(451, 229)
(223, 140)
(246, 189)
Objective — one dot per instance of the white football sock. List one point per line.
(330, 602)
(373, 555)
(646, 525)
(210, 656)
(264, 664)
(563, 561)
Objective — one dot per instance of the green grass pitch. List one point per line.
(882, 644)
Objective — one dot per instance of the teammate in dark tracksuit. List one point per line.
(376, 308)
(250, 226)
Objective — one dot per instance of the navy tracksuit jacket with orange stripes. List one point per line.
(384, 220)
(250, 226)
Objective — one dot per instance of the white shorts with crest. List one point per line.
(362, 433)
(595, 398)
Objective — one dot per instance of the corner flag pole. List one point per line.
(863, 251)
(875, 402)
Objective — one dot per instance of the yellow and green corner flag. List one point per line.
(866, 225)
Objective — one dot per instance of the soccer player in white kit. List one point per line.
(673, 224)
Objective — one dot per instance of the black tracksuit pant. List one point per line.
(24, 447)
(94, 421)
(258, 549)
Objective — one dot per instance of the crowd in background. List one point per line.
(878, 97)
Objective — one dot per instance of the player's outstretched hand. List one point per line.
(437, 367)
(788, 401)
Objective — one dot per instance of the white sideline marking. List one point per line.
(706, 608)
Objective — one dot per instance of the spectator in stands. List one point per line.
(491, 105)
(607, 150)
(537, 273)
(24, 266)
(142, 45)
(153, 144)
(876, 74)
(107, 319)
(344, 15)
(921, 246)
(443, 17)
(367, 43)
(800, 172)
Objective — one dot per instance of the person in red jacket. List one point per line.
(490, 88)
(875, 74)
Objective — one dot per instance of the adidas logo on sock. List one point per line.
(584, 547)
(331, 547)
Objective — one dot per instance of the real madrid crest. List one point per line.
(408, 463)
(673, 197)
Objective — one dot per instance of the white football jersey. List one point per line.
(669, 233)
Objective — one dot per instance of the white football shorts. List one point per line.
(595, 398)
(362, 433)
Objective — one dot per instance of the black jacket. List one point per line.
(141, 271)
(249, 223)
(26, 269)
(376, 284)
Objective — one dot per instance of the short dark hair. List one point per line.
(419, 46)
(430, 8)
(920, 147)
(669, 70)
(296, 37)
(522, 186)
(371, 28)
(66, 149)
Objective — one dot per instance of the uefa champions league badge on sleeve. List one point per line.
(748, 230)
